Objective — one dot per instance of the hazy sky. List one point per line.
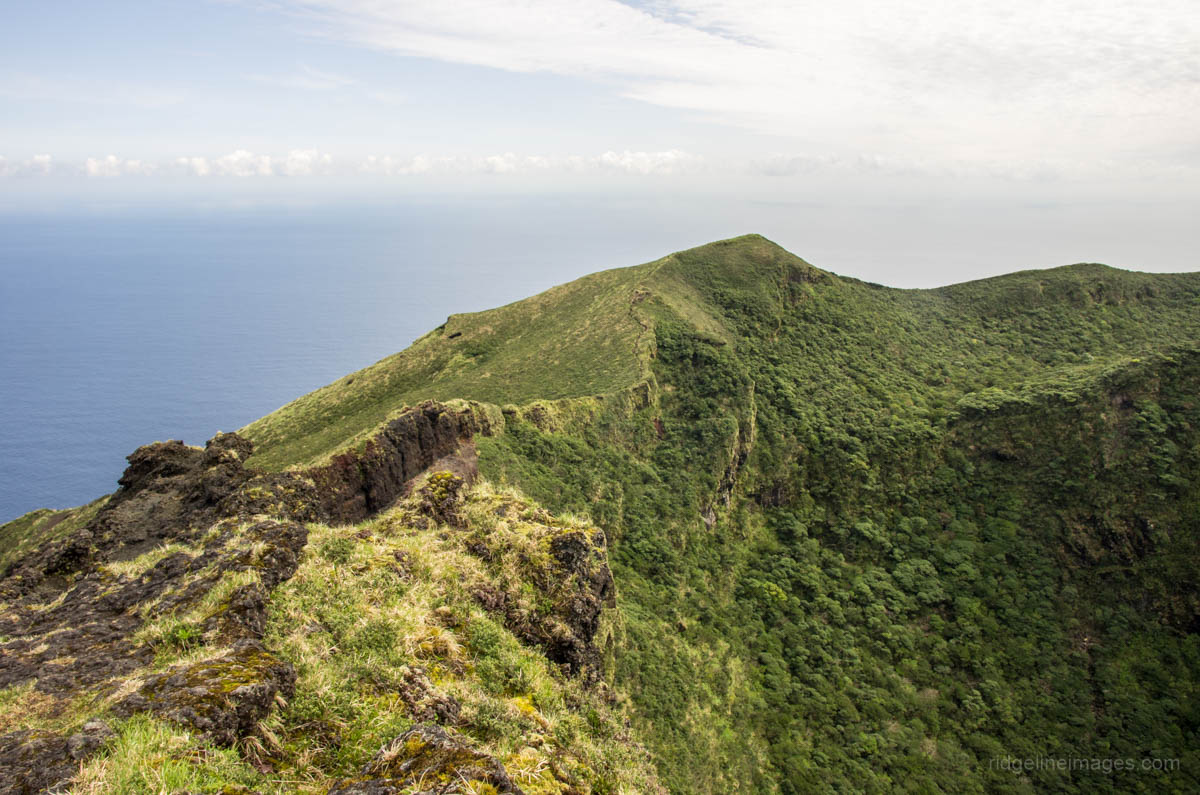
(1090, 105)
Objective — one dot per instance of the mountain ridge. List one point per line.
(667, 278)
(858, 538)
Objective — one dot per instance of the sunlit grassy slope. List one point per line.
(596, 336)
(587, 337)
(580, 338)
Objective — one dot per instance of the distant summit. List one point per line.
(595, 335)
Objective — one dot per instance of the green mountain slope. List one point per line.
(866, 537)
(595, 336)
(863, 539)
(585, 332)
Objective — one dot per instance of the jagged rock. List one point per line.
(170, 490)
(223, 698)
(355, 485)
(581, 555)
(34, 762)
(88, 636)
(89, 739)
(429, 757)
(167, 491)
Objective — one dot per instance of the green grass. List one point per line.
(377, 607)
(149, 757)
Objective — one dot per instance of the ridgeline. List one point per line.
(722, 522)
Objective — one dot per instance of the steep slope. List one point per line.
(863, 539)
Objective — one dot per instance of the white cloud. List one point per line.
(305, 163)
(940, 80)
(672, 161)
(500, 164)
(666, 163)
(389, 166)
(783, 165)
(38, 165)
(243, 164)
(113, 166)
(194, 166)
(313, 162)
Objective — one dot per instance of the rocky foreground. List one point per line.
(169, 607)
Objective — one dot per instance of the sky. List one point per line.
(1084, 107)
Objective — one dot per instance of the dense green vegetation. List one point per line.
(964, 530)
(864, 539)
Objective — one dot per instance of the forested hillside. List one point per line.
(861, 539)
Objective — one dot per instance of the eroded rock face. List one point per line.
(171, 492)
(76, 608)
(34, 762)
(355, 486)
(429, 757)
(40, 760)
(86, 636)
(168, 491)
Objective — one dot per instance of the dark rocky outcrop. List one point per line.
(429, 757)
(33, 762)
(580, 560)
(171, 491)
(38, 761)
(87, 643)
(168, 492)
(356, 485)
(72, 623)
(222, 698)
(87, 637)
